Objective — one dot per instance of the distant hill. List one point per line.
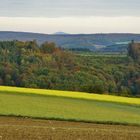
(114, 48)
(61, 33)
(92, 42)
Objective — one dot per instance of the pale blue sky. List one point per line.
(55, 8)
(50, 16)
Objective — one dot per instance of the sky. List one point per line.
(71, 16)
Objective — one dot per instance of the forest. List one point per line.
(46, 66)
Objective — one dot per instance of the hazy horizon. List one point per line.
(75, 16)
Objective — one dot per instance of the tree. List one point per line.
(48, 47)
(134, 50)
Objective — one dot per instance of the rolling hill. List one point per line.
(93, 42)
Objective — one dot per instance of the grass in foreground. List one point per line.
(76, 95)
(62, 108)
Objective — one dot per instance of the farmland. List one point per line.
(62, 105)
(27, 113)
(32, 129)
(79, 95)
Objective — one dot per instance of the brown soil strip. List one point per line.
(14, 128)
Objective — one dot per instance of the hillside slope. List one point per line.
(61, 105)
(24, 64)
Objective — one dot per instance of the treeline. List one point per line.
(27, 64)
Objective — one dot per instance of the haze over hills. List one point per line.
(60, 33)
(93, 42)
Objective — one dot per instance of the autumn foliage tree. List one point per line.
(134, 50)
(28, 64)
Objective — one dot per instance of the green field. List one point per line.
(69, 106)
(104, 55)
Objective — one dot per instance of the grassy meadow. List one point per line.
(63, 105)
